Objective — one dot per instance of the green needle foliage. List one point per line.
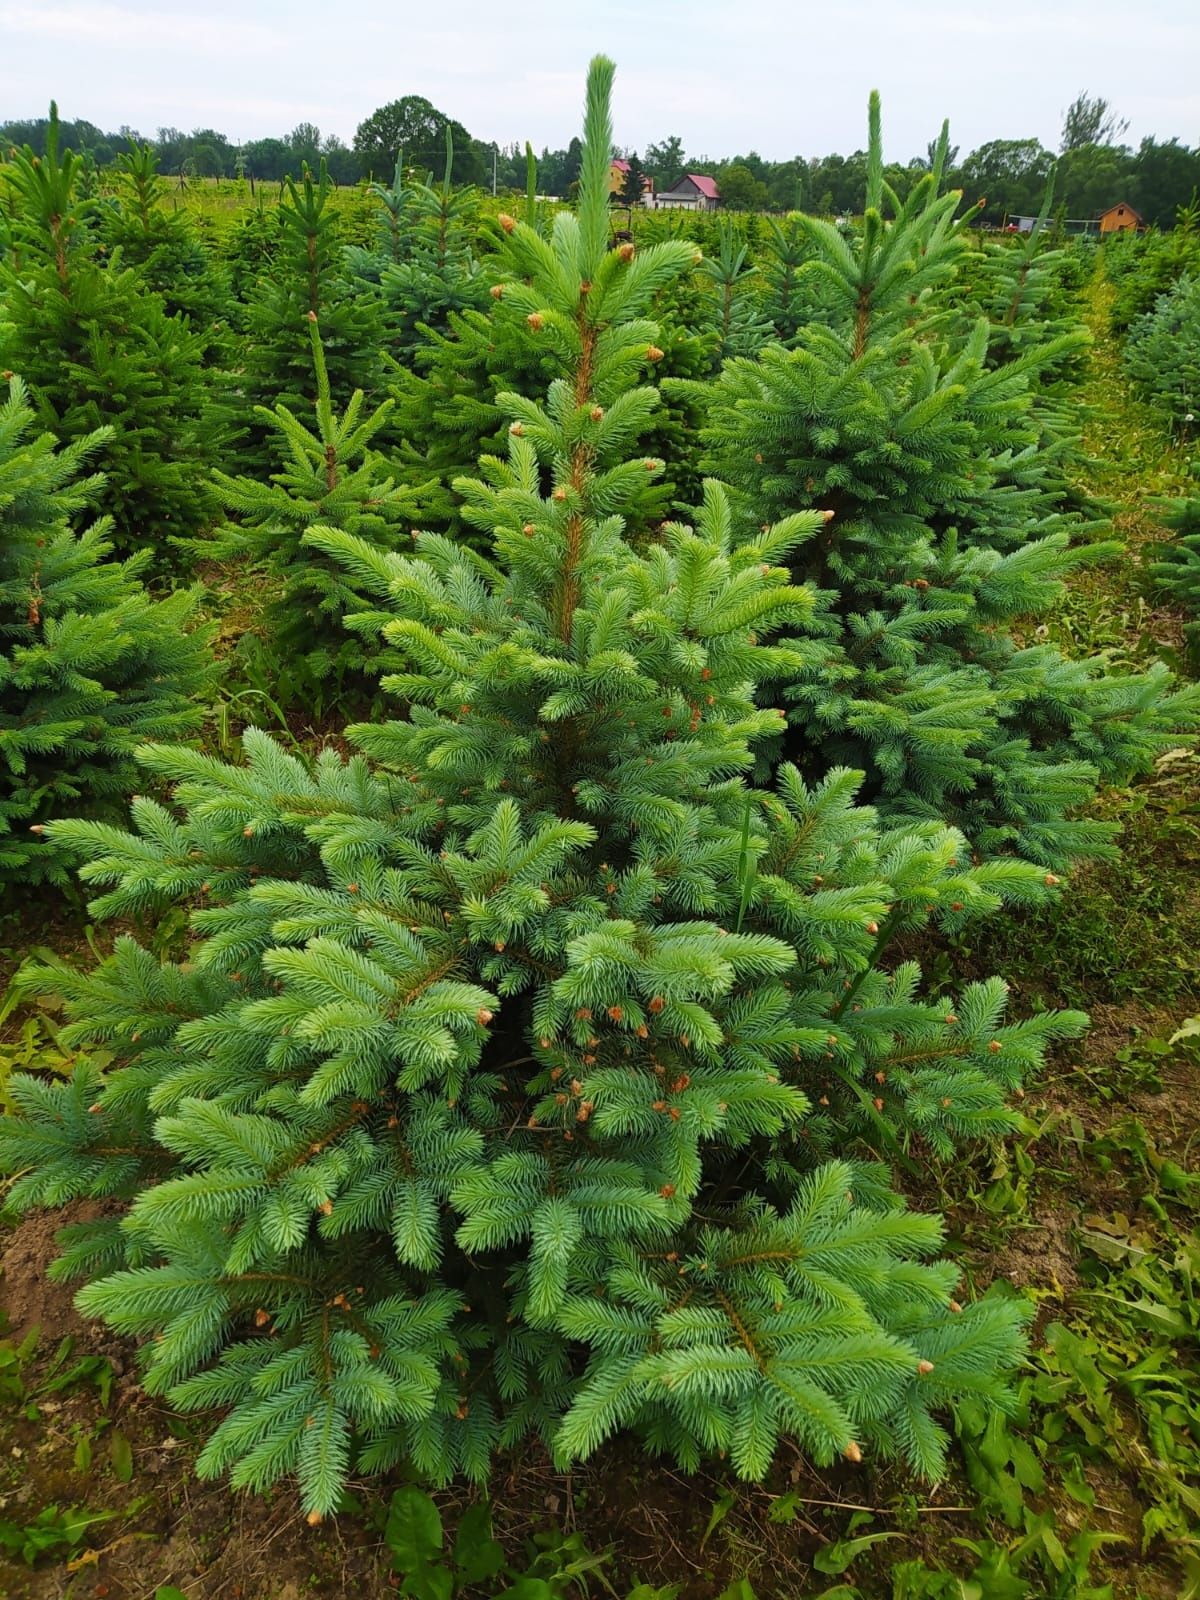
(162, 243)
(450, 410)
(89, 665)
(524, 1067)
(99, 351)
(304, 276)
(1025, 287)
(1175, 571)
(944, 544)
(330, 474)
(425, 266)
(733, 308)
(1162, 354)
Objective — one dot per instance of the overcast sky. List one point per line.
(779, 76)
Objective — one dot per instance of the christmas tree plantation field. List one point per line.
(1088, 1210)
(600, 845)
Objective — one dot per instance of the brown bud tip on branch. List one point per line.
(517, 430)
(312, 316)
(949, 1019)
(955, 1307)
(497, 291)
(653, 353)
(506, 222)
(1051, 879)
(314, 1518)
(261, 1318)
(37, 828)
(483, 1016)
(626, 252)
(560, 494)
(596, 413)
(924, 1367)
(535, 321)
(872, 927)
(829, 515)
(852, 1453)
(994, 1045)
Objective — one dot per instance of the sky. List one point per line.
(782, 77)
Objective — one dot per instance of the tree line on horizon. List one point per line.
(1003, 177)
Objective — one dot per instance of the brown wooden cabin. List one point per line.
(1120, 217)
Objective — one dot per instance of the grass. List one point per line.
(1091, 1490)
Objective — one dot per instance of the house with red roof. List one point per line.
(693, 192)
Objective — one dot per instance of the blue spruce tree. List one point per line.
(522, 1068)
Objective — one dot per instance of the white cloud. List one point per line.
(123, 28)
(779, 76)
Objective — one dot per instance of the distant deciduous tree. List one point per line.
(1090, 119)
(741, 190)
(1010, 174)
(416, 128)
(666, 161)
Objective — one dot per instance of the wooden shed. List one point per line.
(1119, 217)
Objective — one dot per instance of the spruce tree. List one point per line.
(512, 1084)
(1162, 354)
(448, 412)
(1175, 569)
(306, 276)
(329, 474)
(98, 350)
(89, 665)
(787, 302)
(163, 244)
(735, 312)
(1023, 287)
(1143, 266)
(247, 252)
(944, 544)
(425, 266)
